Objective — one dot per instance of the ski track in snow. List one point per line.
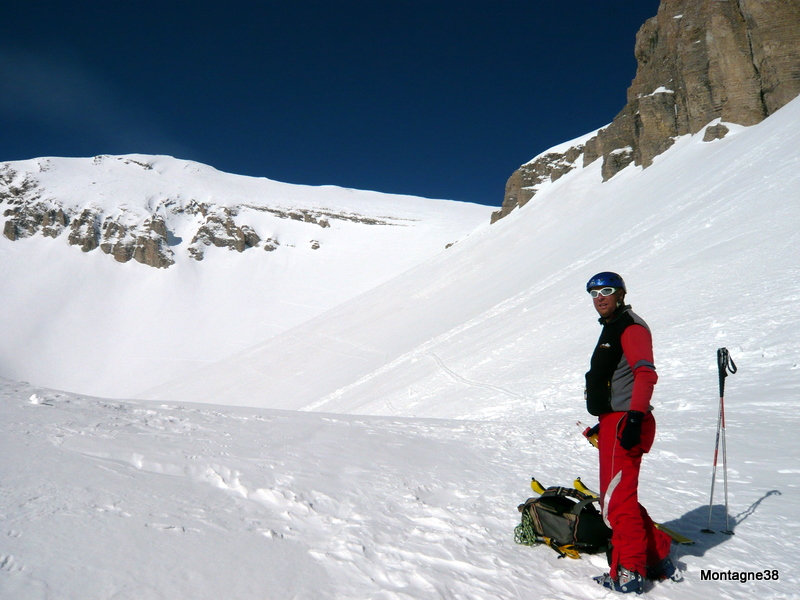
(467, 382)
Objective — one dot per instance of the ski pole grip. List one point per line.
(725, 365)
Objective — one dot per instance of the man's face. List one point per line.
(606, 305)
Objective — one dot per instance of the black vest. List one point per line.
(609, 381)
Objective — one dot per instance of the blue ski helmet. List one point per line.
(606, 278)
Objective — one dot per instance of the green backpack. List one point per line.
(566, 520)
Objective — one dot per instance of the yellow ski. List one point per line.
(676, 537)
(536, 486)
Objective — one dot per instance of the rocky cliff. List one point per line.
(140, 227)
(698, 61)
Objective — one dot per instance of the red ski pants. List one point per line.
(636, 542)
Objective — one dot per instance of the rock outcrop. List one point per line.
(26, 220)
(146, 242)
(737, 61)
(220, 230)
(151, 244)
(526, 180)
(85, 230)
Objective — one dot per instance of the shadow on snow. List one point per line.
(693, 523)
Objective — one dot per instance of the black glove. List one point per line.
(631, 433)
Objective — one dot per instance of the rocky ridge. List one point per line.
(699, 61)
(126, 234)
(526, 181)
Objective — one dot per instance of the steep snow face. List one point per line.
(85, 322)
(706, 238)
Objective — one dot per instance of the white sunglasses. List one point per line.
(606, 291)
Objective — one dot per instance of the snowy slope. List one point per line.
(132, 500)
(706, 238)
(174, 499)
(83, 322)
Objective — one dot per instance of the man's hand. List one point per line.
(591, 434)
(631, 433)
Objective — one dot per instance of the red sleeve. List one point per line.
(637, 345)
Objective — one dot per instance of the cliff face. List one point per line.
(698, 60)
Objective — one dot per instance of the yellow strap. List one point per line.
(569, 550)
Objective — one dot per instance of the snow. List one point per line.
(659, 90)
(380, 448)
(103, 328)
(564, 146)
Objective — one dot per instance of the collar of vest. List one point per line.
(615, 315)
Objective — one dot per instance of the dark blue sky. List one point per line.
(443, 99)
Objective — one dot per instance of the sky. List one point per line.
(437, 99)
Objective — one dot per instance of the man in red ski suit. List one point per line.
(619, 386)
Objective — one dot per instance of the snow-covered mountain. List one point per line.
(362, 494)
(123, 272)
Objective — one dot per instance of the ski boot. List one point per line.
(627, 582)
(666, 570)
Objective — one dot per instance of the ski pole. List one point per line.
(713, 476)
(725, 365)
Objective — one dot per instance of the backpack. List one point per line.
(566, 520)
